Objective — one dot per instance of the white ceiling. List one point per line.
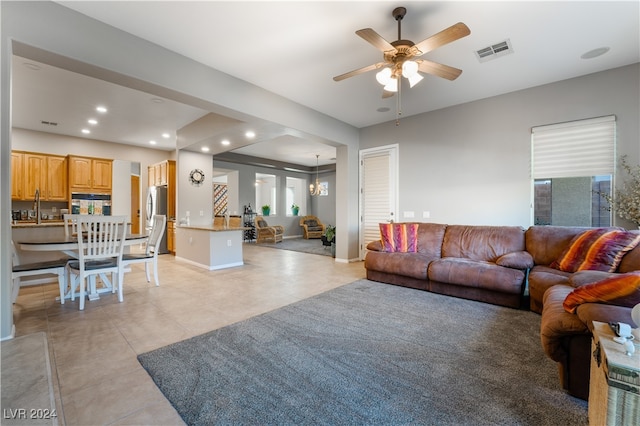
(295, 48)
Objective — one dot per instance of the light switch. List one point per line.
(426, 214)
(409, 214)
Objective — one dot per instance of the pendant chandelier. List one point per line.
(316, 189)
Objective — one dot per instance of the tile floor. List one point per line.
(97, 378)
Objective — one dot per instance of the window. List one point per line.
(266, 193)
(296, 195)
(571, 163)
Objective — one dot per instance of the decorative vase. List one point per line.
(295, 211)
(266, 211)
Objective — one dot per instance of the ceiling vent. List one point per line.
(494, 51)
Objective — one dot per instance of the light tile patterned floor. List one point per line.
(97, 377)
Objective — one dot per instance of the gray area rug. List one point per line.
(368, 353)
(313, 246)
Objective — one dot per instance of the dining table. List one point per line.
(69, 246)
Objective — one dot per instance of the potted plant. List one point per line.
(266, 209)
(625, 201)
(295, 209)
(329, 236)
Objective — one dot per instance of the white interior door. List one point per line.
(378, 190)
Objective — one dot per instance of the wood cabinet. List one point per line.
(17, 175)
(33, 171)
(171, 236)
(88, 174)
(57, 181)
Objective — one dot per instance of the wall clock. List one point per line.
(196, 177)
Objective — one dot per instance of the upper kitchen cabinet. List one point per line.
(34, 171)
(160, 174)
(88, 174)
(17, 175)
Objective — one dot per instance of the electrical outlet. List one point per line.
(228, 243)
(426, 214)
(201, 212)
(188, 213)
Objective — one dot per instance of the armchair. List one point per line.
(312, 227)
(268, 233)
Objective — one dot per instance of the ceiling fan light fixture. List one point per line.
(384, 76)
(409, 69)
(415, 79)
(392, 85)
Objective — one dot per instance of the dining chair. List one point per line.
(70, 224)
(100, 248)
(19, 270)
(150, 256)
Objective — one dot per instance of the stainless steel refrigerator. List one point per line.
(157, 204)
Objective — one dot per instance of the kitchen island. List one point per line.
(209, 247)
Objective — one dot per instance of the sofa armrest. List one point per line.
(516, 260)
(557, 324)
(375, 246)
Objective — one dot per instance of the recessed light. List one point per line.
(383, 109)
(92, 121)
(152, 142)
(166, 135)
(86, 131)
(205, 149)
(250, 134)
(225, 142)
(595, 53)
(101, 109)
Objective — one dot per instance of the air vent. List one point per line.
(494, 51)
(49, 123)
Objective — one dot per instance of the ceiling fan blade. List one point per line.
(358, 71)
(453, 33)
(387, 94)
(375, 39)
(444, 71)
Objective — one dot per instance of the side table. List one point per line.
(614, 386)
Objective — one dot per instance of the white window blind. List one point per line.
(573, 149)
(376, 194)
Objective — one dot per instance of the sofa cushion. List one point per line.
(314, 228)
(475, 273)
(430, 236)
(608, 291)
(516, 260)
(311, 222)
(546, 242)
(486, 243)
(598, 249)
(408, 264)
(399, 237)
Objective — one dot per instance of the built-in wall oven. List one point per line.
(98, 204)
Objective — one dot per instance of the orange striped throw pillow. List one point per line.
(598, 249)
(603, 291)
(399, 237)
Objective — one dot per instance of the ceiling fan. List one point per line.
(399, 56)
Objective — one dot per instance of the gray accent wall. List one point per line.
(470, 164)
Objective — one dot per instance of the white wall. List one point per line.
(469, 164)
(197, 200)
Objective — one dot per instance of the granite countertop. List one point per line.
(213, 228)
(33, 224)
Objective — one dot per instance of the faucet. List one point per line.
(36, 202)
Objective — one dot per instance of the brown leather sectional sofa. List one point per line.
(509, 266)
